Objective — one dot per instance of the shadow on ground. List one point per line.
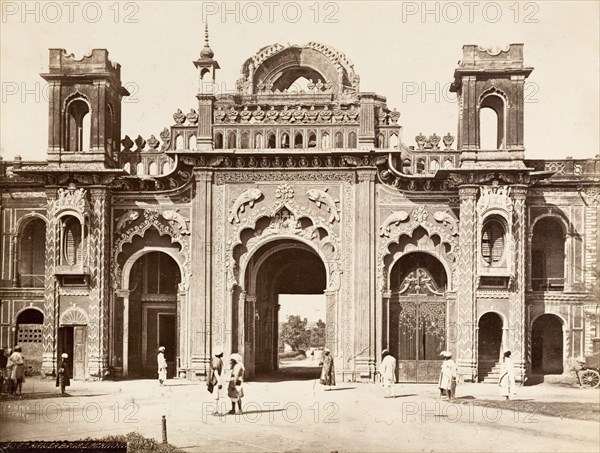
(290, 373)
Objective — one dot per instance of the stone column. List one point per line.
(99, 259)
(49, 328)
(205, 122)
(517, 293)
(14, 252)
(200, 298)
(528, 270)
(183, 362)
(365, 275)
(249, 354)
(332, 330)
(467, 272)
(124, 294)
(386, 299)
(366, 130)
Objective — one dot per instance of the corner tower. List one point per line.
(207, 88)
(495, 80)
(85, 108)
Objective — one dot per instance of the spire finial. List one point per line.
(207, 52)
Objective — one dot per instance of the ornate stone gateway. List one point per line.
(297, 183)
(418, 327)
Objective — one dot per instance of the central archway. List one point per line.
(282, 266)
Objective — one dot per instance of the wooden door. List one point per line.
(79, 352)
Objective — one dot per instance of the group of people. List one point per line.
(218, 379)
(12, 371)
(447, 381)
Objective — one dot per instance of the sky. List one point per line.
(309, 306)
(406, 51)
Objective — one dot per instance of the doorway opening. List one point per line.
(154, 280)
(547, 345)
(284, 277)
(71, 339)
(489, 346)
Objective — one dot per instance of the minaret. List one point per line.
(207, 89)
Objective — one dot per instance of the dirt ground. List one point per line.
(299, 415)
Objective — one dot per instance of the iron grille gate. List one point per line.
(418, 329)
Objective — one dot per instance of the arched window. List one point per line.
(153, 169)
(218, 140)
(298, 140)
(232, 140)
(245, 140)
(393, 141)
(420, 166)
(192, 143)
(548, 255)
(448, 163)
(380, 141)
(285, 140)
(433, 165)
(166, 168)
(325, 141)
(491, 123)
(352, 140)
(127, 167)
(179, 142)
(32, 256)
(139, 169)
(258, 141)
(272, 142)
(312, 140)
(406, 166)
(492, 241)
(78, 127)
(28, 331)
(72, 249)
(339, 140)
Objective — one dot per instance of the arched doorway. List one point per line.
(28, 334)
(153, 284)
(547, 345)
(417, 316)
(489, 344)
(283, 266)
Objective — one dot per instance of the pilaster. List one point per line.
(466, 282)
(199, 321)
(365, 278)
(517, 323)
(99, 259)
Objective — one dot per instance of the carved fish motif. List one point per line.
(173, 215)
(393, 219)
(248, 197)
(321, 196)
(129, 216)
(447, 220)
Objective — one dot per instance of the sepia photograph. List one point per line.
(300, 226)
